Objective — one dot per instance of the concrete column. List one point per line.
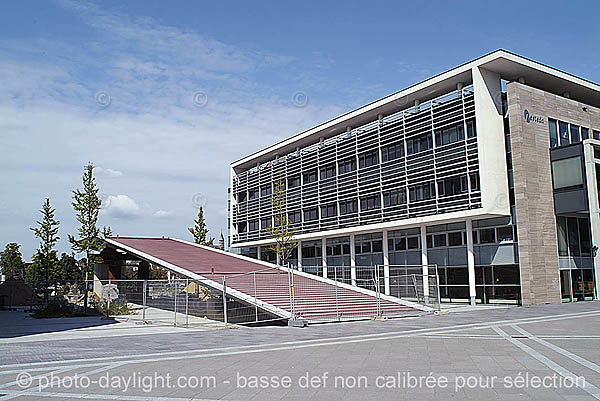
(594, 206)
(258, 252)
(386, 264)
(471, 262)
(277, 258)
(352, 260)
(299, 255)
(324, 256)
(425, 262)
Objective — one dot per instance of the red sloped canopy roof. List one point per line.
(190, 257)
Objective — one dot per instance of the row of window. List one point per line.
(395, 197)
(562, 133)
(389, 152)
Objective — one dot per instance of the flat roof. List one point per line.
(509, 65)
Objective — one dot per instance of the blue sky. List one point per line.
(161, 96)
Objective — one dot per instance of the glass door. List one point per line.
(588, 284)
(565, 285)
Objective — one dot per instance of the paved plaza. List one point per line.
(549, 352)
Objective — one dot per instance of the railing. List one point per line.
(270, 296)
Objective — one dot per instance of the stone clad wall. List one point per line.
(536, 223)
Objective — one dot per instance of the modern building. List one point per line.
(489, 171)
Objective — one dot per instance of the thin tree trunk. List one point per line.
(85, 291)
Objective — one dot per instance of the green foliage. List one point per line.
(106, 232)
(11, 261)
(281, 230)
(68, 270)
(86, 204)
(200, 232)
(117, 308)
(45, 262)
(43, 270)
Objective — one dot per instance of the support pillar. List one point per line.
(386, 264)
(299, 250)
(425, 263)
(324, 256)
(277, 257)
(471, 262)
(258, 252)
(352, 260)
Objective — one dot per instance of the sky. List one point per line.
(162, 95)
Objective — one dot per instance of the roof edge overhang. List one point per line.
(509, 66)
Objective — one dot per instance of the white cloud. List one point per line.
(121, 207)
(150, 128)
(106, 172)
(163, 213)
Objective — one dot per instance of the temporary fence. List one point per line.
(273, 295)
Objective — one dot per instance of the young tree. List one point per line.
(106, 232)
(221, 245)
(281, 230)
(199, 231)
(87, 207)
(68, 269)
(11, 261)
(42, 270)
(47, 232)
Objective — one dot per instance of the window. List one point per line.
(452, 186)
(348, 206)
(311, 214)
(413, 242)
(455, 239)
(347, 165)
(421, 192)
(419, 144)
(449, 135)
(310, 176)
(393, 151)
(311, 249)
(294, 181)
(265, 190)
(585, 133)
(394, 197)
(567, 173)
(439, 240)
(584, 236)
(573, 236)
(575, 136)
(504, 234)
(563, 131)
(241, 196)
(553, 133)
(253, 225)
(295, 217)
(596, 134)
(487, 236)
(368, 243)
(370, 202)
(265, 222)
(252, 194)
(368, 159)
(329, 210)
(474, 178)
(471, 131)
(328, 171)
(242, 227)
